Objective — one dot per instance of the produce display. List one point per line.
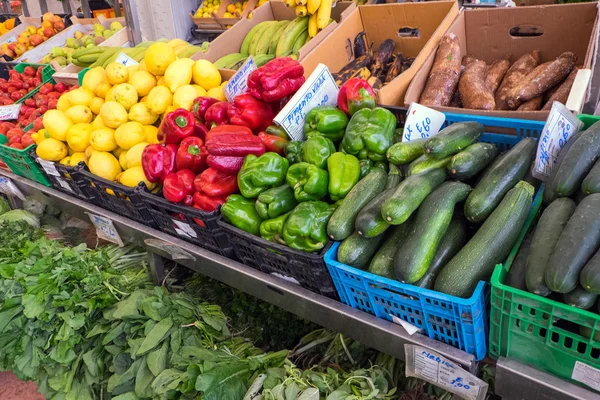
(32, 36)
(7, 25)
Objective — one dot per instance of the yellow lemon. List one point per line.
(199, 90)
(109, 94)
(170, 109)
(103, 89)
(158, 58)
(205, 74)
(63, 103)
(231, 8)
(143, 82)
(81, 97)
(143, 99)
(56, 124)
(116, 73)
(118, 151)
(51, 150)
(66, 161)
(76, 158)
(132, 69)
(151, 134)
(179, 73)
(184, 97)
(123, 159)
(104, 165)
(142, 66)
(134, 155)
(93, 78)
(40, 135)
(113, 114)
(129, 134)
(159, 99)
(70, 151)
(98, 123)
(103, 139)
(133, 176)
(78, 136)
(125, 94)
(216, 93)
(95, 104)
(79, 114)
(160, 81)
(141, 113)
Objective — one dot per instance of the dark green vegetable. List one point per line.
(590, 275)
(587, 332)
(405, 152)
(358, 250)
(591, 183)
(383, 261)
(453, 139)
(471, 160)
(369, 222)
(580, 298)
(394, 177)
(426, 163)
(549, 194)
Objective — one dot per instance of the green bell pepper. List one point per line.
(317, 149)
(344, 172)
(309, 181)
(365, 167)
(240, 212)
(372, 130)
(261, 173)
(276, 201)
(306, 227)
(272, 229)
(327, 121)
(293, 151)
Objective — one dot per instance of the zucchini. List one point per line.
(358, 250)
(369, 222)
(471, 160)
(341, 223)
(591, 183)
(405, 152)
(489, 246)
(433, 218)
(577, 162)
(577, 243)
(587, 332)
(453, 139)
(550, 226)
(498, 180)
(452, 241)
(516, 274)
(409, 195)
(590, 275)
(549, 195)
(383, 261)
(426, 163)
(393, 178)
(580, 298)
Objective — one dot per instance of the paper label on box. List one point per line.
(8, 187)
(175, 252)
(124, 59)
(410, 328)
(436, 369)
(9, 112)
(238, 83)
(48, 166)
(319, 89)
(560, 126)
(11, 39)
(587, 375)
(286, 278)
(64, 184)
(421, 122)
(105, 229)
(183, 228)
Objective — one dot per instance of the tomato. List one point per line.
(30, 102)
(29, 71)
(11, 89)
(14, 139)
(60, 87)
(15, 95)
(46, 88)
(27, 140)
(51, 104)
(54, 95)
(38, 124)
(16, 146)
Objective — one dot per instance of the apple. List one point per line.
(20, 49)
(59, 25)
(48, 32)
(36, 40)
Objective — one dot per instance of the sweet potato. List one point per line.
(496, 73)
(444, 73)
(562, 93)
(473, 91)
(515, 74)
(531, 105)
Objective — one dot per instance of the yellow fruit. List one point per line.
(78, 136)
(56, 124)
(224, 83)
(118, 151)
(231, 8)
(103, 89)
(76, 158)
(179, 73)
(40, 135)
(123, 159)
(205, 74)
(125, 94)
(93, 78)
(103, 139)
(70, 151)
(110, 94)
(116, 73)
(129, 134)
(66, 161)
(95, 105)
(132, 69)
(51, 150)
(143, 99)
(216, 93)
(184, 97)
(133, 176)
(81, 96)
(79, 114)
(142, 66)
(134, 155)
(159, 99)
(170, 109)
(160, 81)
(143, 82)
(98, 123)
(141, 113)
(104, 165)
(151, 134)
(158, 57)
(113, 114)
(199, 90)
(63, 103)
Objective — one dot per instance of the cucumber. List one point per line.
(580, 298)
(499, 179)
(383, 261)
(453, 240)
(394, 177)
(358, 250)
(433, 218)
(426, 163)
(453, 139)
(471, 160)
(516, 274)
(550, 226)
(409, 195)
(590, 275)
(341, 223)
(591, 183)
(549, 194)
(369, 222)
(577, 162)
(405, 152)
(587, 332)
(577, 243)
(489, 246)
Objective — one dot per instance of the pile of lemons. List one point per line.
(208, 8)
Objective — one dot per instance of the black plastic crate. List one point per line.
(399, 113)
(306, 269)
(189, 224)
(61, 177)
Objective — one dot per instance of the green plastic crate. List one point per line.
(22, 163)
(588, 120)
(47, 73)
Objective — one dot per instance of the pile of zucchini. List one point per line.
(446, 213)
(561, 258)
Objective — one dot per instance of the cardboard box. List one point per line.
(486, 34)
(231, 40)
(217, 21)
(381, 22)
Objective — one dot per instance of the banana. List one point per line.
(323, 14)
(262, 47)
(140, 56)
(312, 6)
(277, 36)
(301, 11)
(301, 2)
(190, 51)
(262, 59)
(299, 42)
(176, 42)
(88, 58)
(312, 26)
(112, 58)
(228, 60)
(258, 36)
(249, 36)
(307, 39)
(290, 3)
(147, 43)
(180, 49)
(105, 55)
(238, 64)
(289, 36)
(86, 51)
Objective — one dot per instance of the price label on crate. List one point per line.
(175, 252)
(410, 328)
(9, 112)
(64, 184)
(48, 166)
(124, 59)
(105, 229)
(421, 122)
(436, 369)
(587, 375)
(183, 228)
(238, 83)
(9, 188)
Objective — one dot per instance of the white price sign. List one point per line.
(9, 112)
(238, 84)
(183, 228)
(48, 166)
(124, 59)
(421, 122)
(587, 375)
(9, 188)
(105, 229)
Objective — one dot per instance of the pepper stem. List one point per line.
(194, 150)
(181, 121)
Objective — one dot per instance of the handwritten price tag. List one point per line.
(9, 188)
(105, 229)
(238, 83)
(48, 166)
(124, 59)
(422, 122)
(9, 112)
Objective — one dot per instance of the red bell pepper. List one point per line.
(207, 203)
(191, 155)
(225, 164)
(227, 130)
(158, 161)
(248, 111)
(178, 187)
(216, 183)
(216, 115)
(200, 105)
(355, 94)
(199, 129)
(176, 126)
(276, 80)
(235, 144)
(273, 143)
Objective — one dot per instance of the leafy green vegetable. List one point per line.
(20, 215)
